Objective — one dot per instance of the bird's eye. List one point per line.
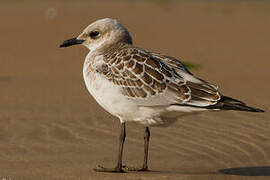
(94, 34)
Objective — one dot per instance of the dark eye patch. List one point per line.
(94, 34)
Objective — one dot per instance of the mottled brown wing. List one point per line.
(202, 93)
(171, 61)
(143, 75)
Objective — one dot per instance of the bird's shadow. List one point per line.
(247, 171)
(240, 171)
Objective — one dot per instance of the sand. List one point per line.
(51, 128)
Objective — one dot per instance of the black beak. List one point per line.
(71, 42)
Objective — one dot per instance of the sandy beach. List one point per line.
(52, 129)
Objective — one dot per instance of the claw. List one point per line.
(127, 168)
(112, 170)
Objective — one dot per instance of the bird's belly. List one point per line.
(109, 96)
(112, 100)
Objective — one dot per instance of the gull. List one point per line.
(137, 85)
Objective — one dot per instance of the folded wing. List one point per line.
(158, 78)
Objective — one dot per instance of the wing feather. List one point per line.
(144, 75)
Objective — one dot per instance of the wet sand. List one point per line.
(51, 128)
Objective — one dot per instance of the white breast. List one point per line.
(107, 94)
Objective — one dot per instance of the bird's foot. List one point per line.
(130, 168)
(112, 170)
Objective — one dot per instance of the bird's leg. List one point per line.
(119, 167)
(146, 149)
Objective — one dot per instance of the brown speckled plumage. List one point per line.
(142, 74)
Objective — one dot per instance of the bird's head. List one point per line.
(101, 34)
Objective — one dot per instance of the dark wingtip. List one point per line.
(258, 110)
(235, 104)
(251, 109)
(228, 103)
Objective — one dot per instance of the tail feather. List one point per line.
(229, 103)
